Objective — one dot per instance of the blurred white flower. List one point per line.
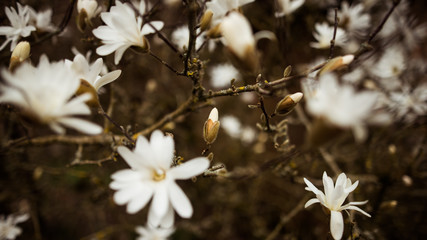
(222, 74)
(221, 7)
(354, 20)
(231, 126)
(286, 7)
(333, 199)
(45, 92)
(141, 6)
(8, 228)
(19, 25)
(181, 36)
(340, 105)
(391, 64)
(324, 33)
(91, 72)
(408, 104)
(90, 7)
(42, 20)
(248, 134)
(123, 30)
(151, 233)
(151, 176)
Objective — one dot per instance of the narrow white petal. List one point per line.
(190, 168)
(180, 201)
(352, 187)
(337, 225)
(163, 149)
(107, 78)
(81, 125)
(139, 201)
(357, 209)
(311, 186)
(126, 175)
(160, 200)
(131, 158)
(168, 220)
(147, 29)
(311, 201)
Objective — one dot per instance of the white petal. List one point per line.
(147, 29)
(126, 175)
(190, 168)
(180, 201)
(107, 78)
(81, 125)
(131, 158)
(168, 219)
(163, 149)
(357, 209)
(310, 202)
(160, 200)
(352, 187)
(139, 201)
(311, 186)
(119, 53)
(337, 225)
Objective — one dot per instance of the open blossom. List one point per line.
(44, 93)
(221, 7)
(356, 22)
(324, 33)
(151, 233)
(151, 176)
(408, 104)
(19, 25)
(122, 30)
(8, 228)
(340, 105)
(333, 198)
(287, 7)
(42, 20)
(91, 72)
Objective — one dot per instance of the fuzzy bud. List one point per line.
(287, 104)
(206, 20)
(19, 55)
(211, 127)
(336, 63)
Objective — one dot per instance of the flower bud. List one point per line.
(206, 20)
(87, 9)
(336, 63)
(288, 103)
(86, 87)
(214, 32)
(19, 54)
(211, 127)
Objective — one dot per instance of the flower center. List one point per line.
(159, 175)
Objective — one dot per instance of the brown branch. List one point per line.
(64, 139)
(166, 64)
(331, 50)
(192, 24)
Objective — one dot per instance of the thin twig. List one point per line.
(192, 23)
(166, 64)
(161, 36)
(264, 112)
(121, 128)
(64, 139)
(331, 50)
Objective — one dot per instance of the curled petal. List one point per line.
(311, 201)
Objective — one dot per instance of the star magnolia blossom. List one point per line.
(287, 7)
(221, 7)
(8, 228)
(356, 22)
(324, 34)
(123, 30)
(42, 20)
(90, 6)
(45, 92)
(333, 198)
(90, 72)
(19, 21)
(151, 176)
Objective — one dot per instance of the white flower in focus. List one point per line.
(324, 33)
(222, 74)
(42, 20)
(391, 64)
(90, 7)
(181, 36)
(151, 176)
(91, 72)
(333, 199)
(150, 233)
(287, 7)
(340, 105)
(19, 25)
(123, 30)
(238, 36)
(355, 21)
(221, 7)
(45, 93)
(8, 228)
(407, 104)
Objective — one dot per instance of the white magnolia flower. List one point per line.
(90, 7)
(340, 105)
(151, 176)
(45, 92)
(221, 7)
(231, 126)
(407, 104)
(123, 30)
(238, 36)
(324, 33)
(91, 72)
(151, 233)
(287, 7)
(333, 199)
(355, 21)
(19, 25)
(42, 20)
(391, 64)
(181, 36)
(222, 74)
(8, 228)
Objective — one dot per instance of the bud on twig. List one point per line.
(206, 20)
(336, 63)
(211, 127)
(287, 104)
(19, 54)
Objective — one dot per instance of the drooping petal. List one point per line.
(190, 168)
(337, 225)
(81, 125)
(311, 201)
(357, 209)
(180, 201)
(168, 220)
(160, 200)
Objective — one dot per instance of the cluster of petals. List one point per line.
(8, 228)
(333, 199)
(123, 30)
(152, 177)
(45, 94)
(324, 33)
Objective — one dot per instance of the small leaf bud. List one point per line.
(211, 127)
(288, 71)
(288, 103)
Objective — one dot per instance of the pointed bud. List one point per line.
(336, 63)
(287, 104)
(287, 71)
(81, 20)
(206, 20)
(214, 32)
(19, 55)
(211, 127)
